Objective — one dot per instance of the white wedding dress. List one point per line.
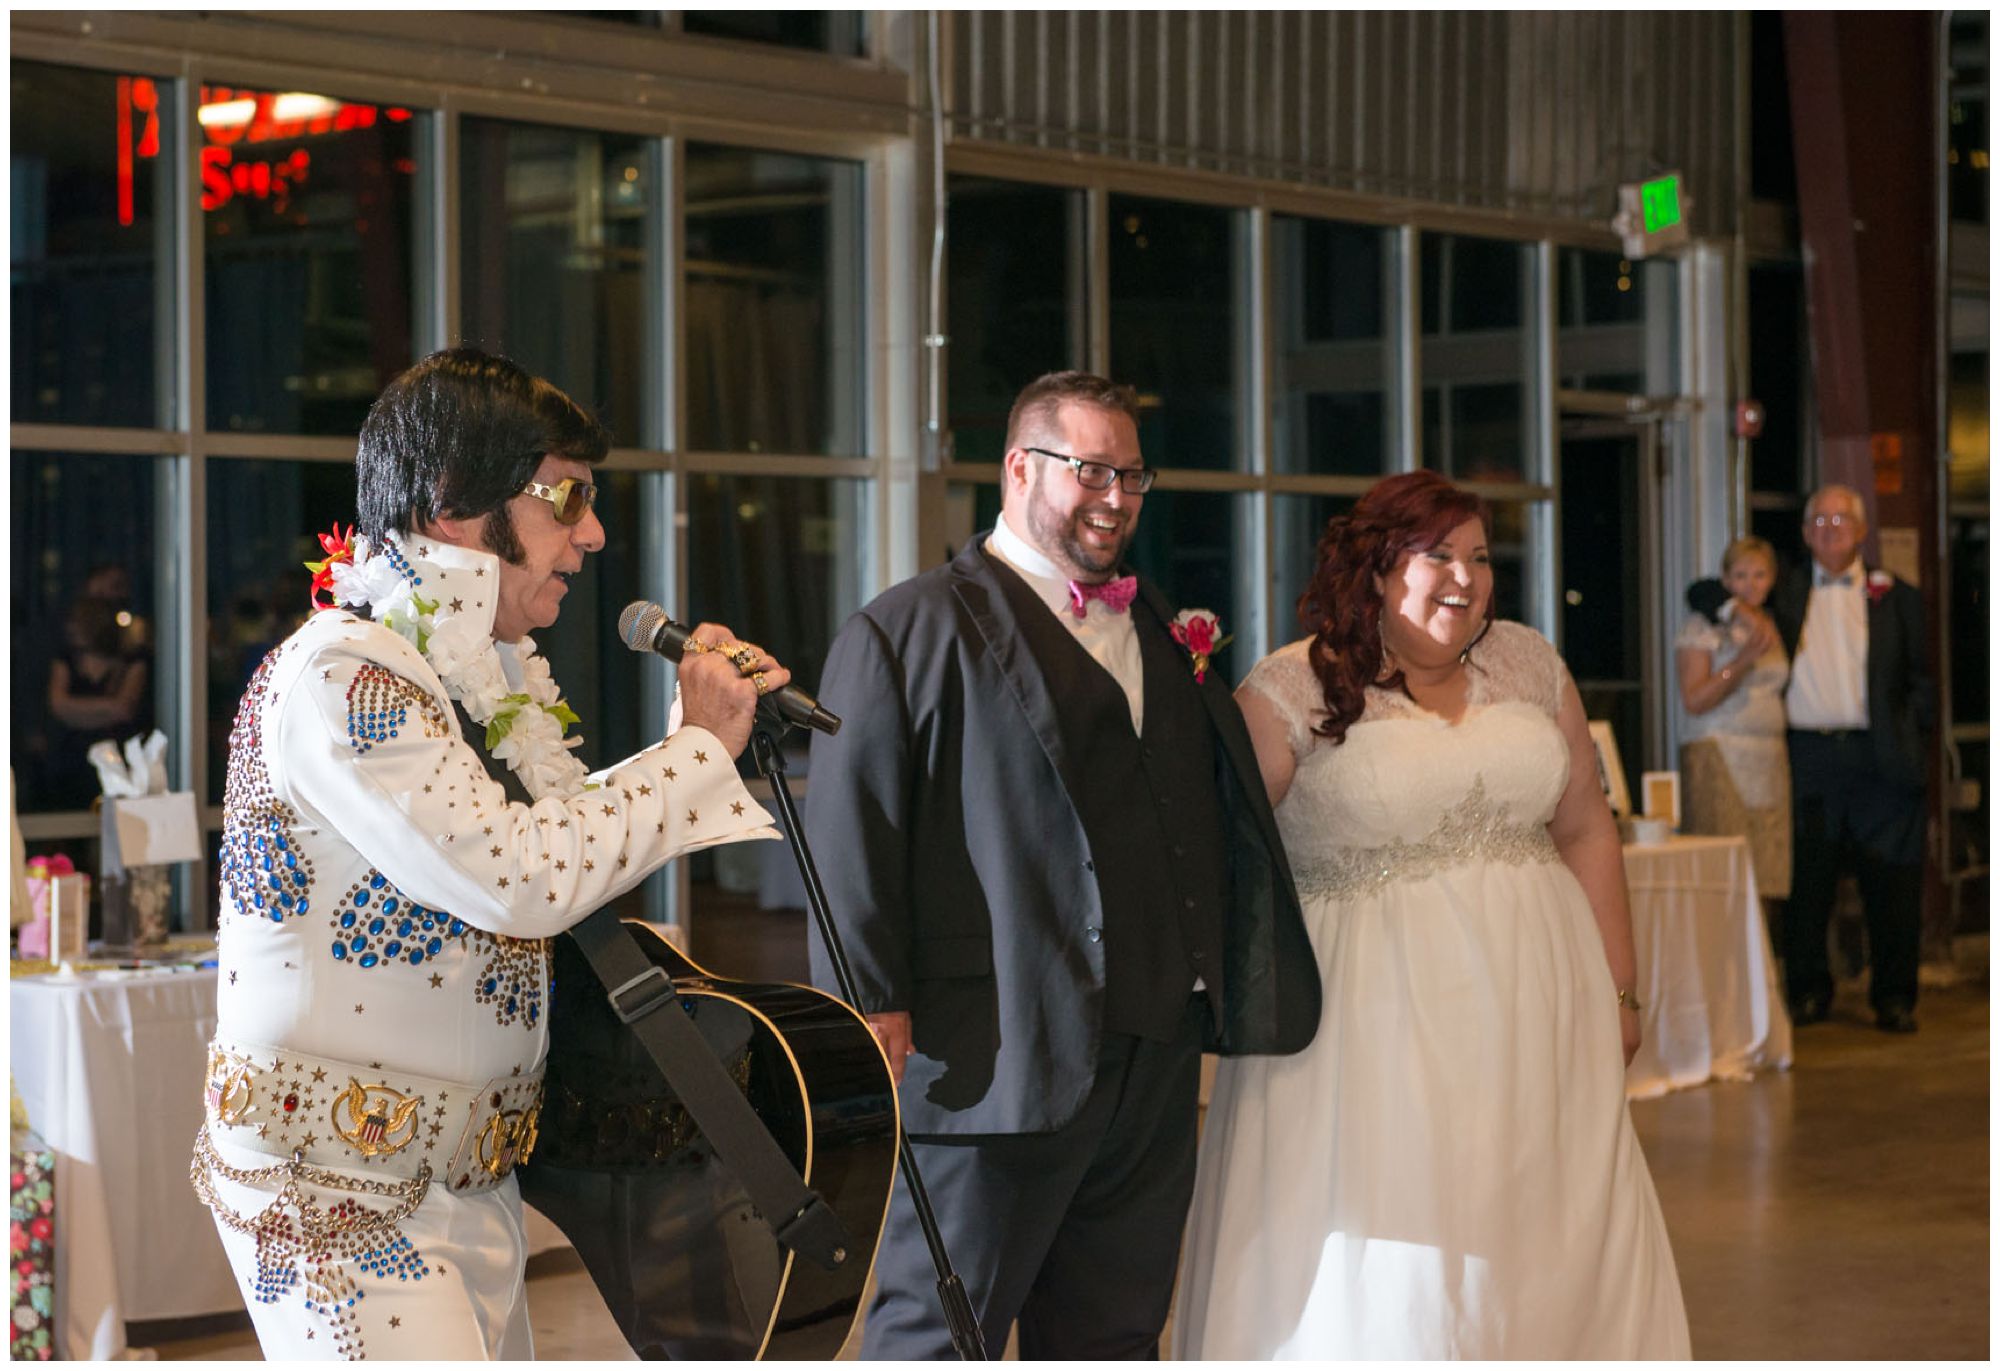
(1448, 1171)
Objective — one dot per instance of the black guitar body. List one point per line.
(686, 1265)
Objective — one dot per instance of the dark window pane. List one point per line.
(1615, 320)
(1297, 524)
(554, 227)
(263, 518)
(1194, 543)
(1780, 528)
(840, 32)
(86, 657)
(1778, 372)
(1475, 411)
(1509, 549)
(1016, 301)
(1968, 120)
(88, 252)
(1475, 282)
(1175, 327)
(307, 257)
(781, 561)
(1336, 366)
(774, 302)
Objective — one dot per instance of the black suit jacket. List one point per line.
(1902, 710)
(958, 872)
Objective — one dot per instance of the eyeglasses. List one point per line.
(571, 497)
(1831, 521)
(1100, 475)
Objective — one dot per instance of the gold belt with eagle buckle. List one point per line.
(373, 1119)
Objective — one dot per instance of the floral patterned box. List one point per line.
(31, 1220)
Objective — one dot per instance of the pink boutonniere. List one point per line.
(1878, 585)
(1200, 632)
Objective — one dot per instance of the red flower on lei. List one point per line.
(1879, 583)
(339, 548)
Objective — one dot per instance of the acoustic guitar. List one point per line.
(688, 1268)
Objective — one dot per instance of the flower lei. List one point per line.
(524, 728)
(1200, 632)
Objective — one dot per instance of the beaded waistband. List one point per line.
(1475, 830)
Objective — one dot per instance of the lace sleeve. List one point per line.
(1286, 680)
(1698, 633)
(1517, 663)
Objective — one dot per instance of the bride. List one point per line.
(1449, 1170)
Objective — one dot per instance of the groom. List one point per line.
(1049, 852)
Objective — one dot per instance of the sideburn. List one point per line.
(500, 539)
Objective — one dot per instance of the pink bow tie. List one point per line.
(1116, 594)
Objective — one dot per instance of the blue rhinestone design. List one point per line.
(515, 978)
(400, 562)
(378, 707)
(262, 869)
(375, 923)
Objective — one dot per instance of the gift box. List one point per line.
(31, 1214)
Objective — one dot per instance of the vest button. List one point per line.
(1094, 933)
(1195, 955)
(1189, 902)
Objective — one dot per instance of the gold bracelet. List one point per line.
(1629, 999)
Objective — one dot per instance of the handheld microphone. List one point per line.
(646, 627)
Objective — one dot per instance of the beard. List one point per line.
(1058, 535)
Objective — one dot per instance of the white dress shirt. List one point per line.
(1109, 638)
(1829, 686)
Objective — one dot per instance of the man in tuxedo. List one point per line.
(1860, 710)
(1051, 859)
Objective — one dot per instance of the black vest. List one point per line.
(1151, 815)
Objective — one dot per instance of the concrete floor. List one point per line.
(1839, 1210)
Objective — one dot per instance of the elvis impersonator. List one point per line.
(386, 907)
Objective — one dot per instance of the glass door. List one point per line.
(1609, 598)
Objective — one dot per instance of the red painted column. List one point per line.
(1868, 148)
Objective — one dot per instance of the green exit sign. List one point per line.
(1661, 202)
(1652, 215)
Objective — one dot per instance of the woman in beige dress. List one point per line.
(1735, 776)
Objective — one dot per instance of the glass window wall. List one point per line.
(555, 228)
(1336, 364)
(1015, 283)
(1477, 349)
(774, 326)
(307, 240)
(86, 663)
(89, 247)
(1179, 319)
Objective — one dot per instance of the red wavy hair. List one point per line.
(1341, 608)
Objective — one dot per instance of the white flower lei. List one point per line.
(524, 728)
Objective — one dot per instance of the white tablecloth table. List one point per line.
(1707, 976)
(109, 1066)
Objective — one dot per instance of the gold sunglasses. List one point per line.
(571, 497)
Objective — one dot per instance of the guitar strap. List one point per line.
(638, 988)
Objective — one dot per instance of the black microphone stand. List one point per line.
(965, 1334)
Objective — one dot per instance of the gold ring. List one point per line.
(757, 679)
(697, 645)
(746, 659)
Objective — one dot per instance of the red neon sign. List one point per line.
(232, 123)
